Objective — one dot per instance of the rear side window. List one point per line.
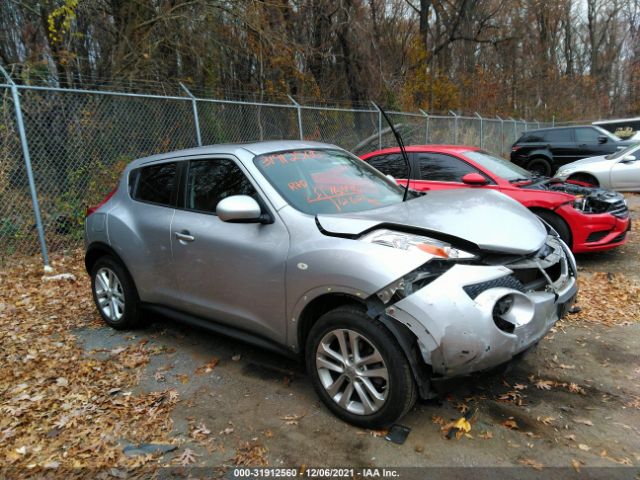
(210, 181)
(155, 183)
(563, 135)
(587, 135)
(443, 168)
(531, 138)
(390, 164)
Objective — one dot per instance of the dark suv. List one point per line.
(544, 151)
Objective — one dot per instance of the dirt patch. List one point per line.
(72, 391)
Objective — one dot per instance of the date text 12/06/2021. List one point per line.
(312, 472)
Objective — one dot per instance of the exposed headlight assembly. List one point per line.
(580, 203)
(564, 173)
(410, 242)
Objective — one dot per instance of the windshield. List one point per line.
(498, 166)
(608, 133)
(327, 181)
(625, 151)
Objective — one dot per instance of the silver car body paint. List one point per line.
(260, 277)
(612, 174)
(473, 215)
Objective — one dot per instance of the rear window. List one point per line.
(531, 138)
(390, 164)
(155, 183)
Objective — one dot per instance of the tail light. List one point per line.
(91, 210)
(515, 148)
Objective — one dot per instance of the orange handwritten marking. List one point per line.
(339, 196)
(285, 158)
(298, 185)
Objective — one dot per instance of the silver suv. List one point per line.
(303, 248)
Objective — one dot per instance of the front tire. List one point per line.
(115, 294)
(558, 224)
(358, 368)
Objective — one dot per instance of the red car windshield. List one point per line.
(327, 181)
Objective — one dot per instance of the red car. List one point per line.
(588, 219)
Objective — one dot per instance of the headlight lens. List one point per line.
(563, 173)
(410, 242)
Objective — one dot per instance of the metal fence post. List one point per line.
(196, 119)
(501, 134)
(525, 124)
(426, 131)
(27, 162)
(455, 126)
(515, 128)
(537, 122)
(299, 109)
(553, 121)
(481, 130)
(379, 125)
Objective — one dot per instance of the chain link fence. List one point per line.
(79, 141)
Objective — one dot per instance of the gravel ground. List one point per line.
(572, 402)
(266, 400)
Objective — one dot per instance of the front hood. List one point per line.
(486, 218)
(584, 161)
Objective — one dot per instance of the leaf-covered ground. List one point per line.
(607, 298)
(60, 408)
(68, 408)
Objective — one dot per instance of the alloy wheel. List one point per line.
(352, 371)
(109, 294)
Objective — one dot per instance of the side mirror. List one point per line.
(603, 139)
(628, 159)
(474, 180)
(239, 208)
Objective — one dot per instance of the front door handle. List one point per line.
(184, 236)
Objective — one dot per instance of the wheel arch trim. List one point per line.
(407, 340)
(97, 249)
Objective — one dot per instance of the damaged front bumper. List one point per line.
(475, 317)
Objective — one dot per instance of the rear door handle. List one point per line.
(184, 236)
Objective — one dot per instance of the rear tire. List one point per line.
(558, 224)
(114, 294)
(349, 353)
(584, 178)
(540, 166)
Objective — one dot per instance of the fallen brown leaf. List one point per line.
(576, 464)
(188, 457)
(207, 367)
(544, 384)
(546, 420)
(293, 419)
(531, 463)
(583, 421)
(251, 455)
(510, 423)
